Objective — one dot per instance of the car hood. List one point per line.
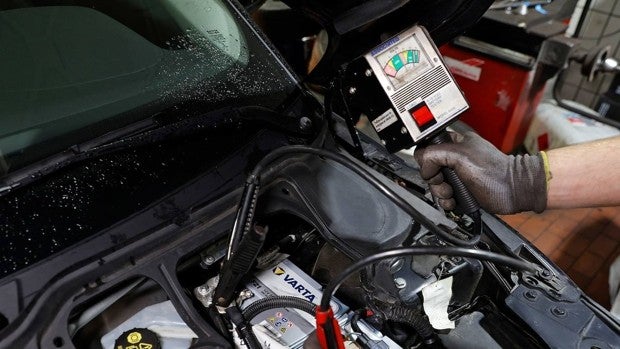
(356, 26)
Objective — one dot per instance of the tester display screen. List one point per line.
(404, 61)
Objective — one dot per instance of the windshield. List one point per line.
(72, 70)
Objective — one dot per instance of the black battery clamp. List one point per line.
(409, 96)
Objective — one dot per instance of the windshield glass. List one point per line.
(72, 70)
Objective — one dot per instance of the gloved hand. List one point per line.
(501, 183)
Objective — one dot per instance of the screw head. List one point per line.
(531, 295)
(208, 261)
(368, 72)
(559, 312)
(352, 90)
(400, 283)
(305, 123)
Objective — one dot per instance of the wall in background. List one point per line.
(601, 26)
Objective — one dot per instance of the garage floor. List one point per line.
(583, 242)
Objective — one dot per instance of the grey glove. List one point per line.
(501, 183)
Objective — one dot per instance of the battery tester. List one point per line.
(410, 97)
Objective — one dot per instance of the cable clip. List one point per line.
(328, 330)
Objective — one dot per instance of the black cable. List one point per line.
(278, 302)
(465, 201)
(333, 285)
(363, 173)
(354, 325)
(243, 218)
(243, 327)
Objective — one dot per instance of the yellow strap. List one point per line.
(548, 175)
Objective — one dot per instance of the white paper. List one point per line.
(436, 300)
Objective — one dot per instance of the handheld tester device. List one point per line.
(405, 89)
(410, 97)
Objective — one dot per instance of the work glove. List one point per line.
(502, 184)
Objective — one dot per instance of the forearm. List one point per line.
(585, 175)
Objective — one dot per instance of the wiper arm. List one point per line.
(39, 169)
(137, 135)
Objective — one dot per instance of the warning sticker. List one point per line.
(384, 120)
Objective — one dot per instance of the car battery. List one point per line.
(289, 327)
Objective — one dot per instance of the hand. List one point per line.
(501, 183)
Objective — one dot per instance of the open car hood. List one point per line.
(356, 26)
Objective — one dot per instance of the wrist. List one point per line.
(531, 175)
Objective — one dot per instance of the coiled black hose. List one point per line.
(278, 302)
(416, 319)
(245, 330)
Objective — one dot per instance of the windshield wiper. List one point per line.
(147, 132)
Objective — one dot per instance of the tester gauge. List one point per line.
(405, 89)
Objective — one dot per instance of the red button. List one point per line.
(422, 116)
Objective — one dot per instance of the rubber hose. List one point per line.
(249, 337)
(244, 215)
(416, 319)
(278, 302)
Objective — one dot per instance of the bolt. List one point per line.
(209, 260)
(403, 130)
(559, 312)
(368, 72)
(396, 265)
(546, 274)
(352, 90)
(531, 295)
(400, 283)
(246, 294)
(305, 123)
(203, 290)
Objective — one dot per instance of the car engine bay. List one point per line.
(247, 226)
